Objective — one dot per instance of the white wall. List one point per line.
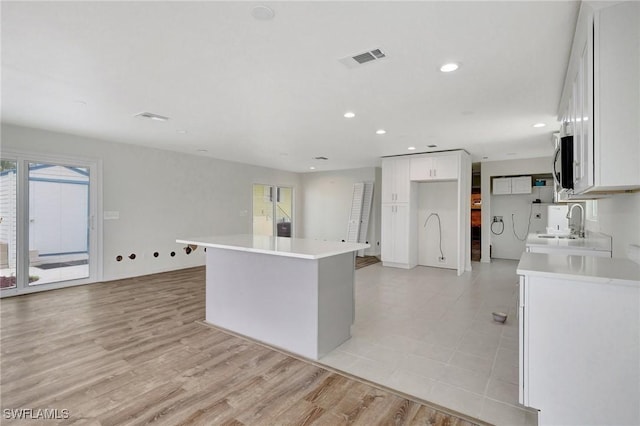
(507, 245)
(490, 169)
(440, 198)
(161, 196)
(327, 204)
(618, 216)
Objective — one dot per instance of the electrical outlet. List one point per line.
(497, 218)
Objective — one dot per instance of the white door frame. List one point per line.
(22, 159)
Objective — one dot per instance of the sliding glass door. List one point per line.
(272, 210)
(8, 224)
(48, 237)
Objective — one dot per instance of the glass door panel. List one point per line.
(263, 206)
(272, 210)
(283, 213)
(8, 224)
(58, 223)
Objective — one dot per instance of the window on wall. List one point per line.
(272, 210)
(48, 226)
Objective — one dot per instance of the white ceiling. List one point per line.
(273, 93)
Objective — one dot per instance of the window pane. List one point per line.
(58, 223)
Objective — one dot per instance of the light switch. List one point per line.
(111, 215)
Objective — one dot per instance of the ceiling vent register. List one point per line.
(363, 58)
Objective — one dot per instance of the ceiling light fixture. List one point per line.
(349, 114)
(380, 132)
(202, 150)
(411, 148)
(449, 67)
(262, 13)
(312, 168)
(152, 116)
(539, 125)
(181, 132)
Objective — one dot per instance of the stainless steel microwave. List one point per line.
(563, 163)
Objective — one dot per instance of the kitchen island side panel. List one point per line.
(273, 299)
(336, 308)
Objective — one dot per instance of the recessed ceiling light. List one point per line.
(202, 150)
(449, 67)
(152, 116)
(181, 132)
(432, 146)
(411, 148)
(349, 114)
(539, 125)
(312, 168)
(380, 132)
(262, 13)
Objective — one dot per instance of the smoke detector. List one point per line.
(369, 56)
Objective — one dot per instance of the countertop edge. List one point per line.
(273, 252)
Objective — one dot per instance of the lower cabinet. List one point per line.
(579, 349)
(395, 235)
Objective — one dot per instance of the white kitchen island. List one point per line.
(292, 293)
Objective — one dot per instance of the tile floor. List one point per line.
(429, 333)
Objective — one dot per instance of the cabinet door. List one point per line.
(421, 168)
(401, 234)
(388, 169)
(387, 234)
(395, 180)
(402, 180)
(445, 167)
(501, 186)
(583, 145)
(395, 233)
(578, 141)
(521, 185)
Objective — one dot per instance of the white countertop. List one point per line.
(583, 268)
(278, 246)
(593, 241)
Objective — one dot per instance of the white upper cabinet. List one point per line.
(521, 185)
(435, 167)
(501, 186)
(512, 185)
(600, 103)
(395, 180)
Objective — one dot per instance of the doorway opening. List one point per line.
(272, 210)
(476, 213)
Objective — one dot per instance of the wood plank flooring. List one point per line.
(134, 351)
(362, 261)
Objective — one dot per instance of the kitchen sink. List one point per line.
(562, 237)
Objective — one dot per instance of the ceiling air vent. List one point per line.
(363, 58)
(152, 116)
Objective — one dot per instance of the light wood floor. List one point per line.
(134, 352)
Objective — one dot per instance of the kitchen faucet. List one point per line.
(581, 227)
